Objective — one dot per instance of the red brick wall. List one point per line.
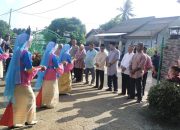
(171, 54)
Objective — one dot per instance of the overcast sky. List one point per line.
(92, 13)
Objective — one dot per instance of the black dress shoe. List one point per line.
(130, 97)
(138, 101)
(32, 123)
(115, 92)
(121, 94)
(100, 88)
(108, 89)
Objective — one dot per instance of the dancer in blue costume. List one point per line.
(18, 92)
(64, 81)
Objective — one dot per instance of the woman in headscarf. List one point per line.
(18, 93)
(79, 63)
(48, 95)
(64, 82)
(57, 52)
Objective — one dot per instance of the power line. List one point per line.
(47, 11)
(5, 13)
(27, 5)
(21, 7)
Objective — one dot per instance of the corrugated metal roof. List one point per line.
(153, 27)
(130, 25)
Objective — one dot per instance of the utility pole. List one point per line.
(10, 19)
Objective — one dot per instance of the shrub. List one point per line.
(164, 101)
(150, 51)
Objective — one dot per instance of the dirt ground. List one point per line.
(90, 109)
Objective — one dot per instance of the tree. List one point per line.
(71, 26)
(110, 24)
(19, 30)
(4, 27)
(126, 11)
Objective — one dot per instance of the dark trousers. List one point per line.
(144, 79)
(113, 79)
(99, 75)
(136, 83)
(7, 64)
(78, 74)
(87, 70)
(125, 83)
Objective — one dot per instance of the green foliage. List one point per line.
(19, 30)
(164, 101)
(150, 51)
(49, 35)
(70, 26)
(80, 37)
(4, 27)
(110, 24)
(38, 44)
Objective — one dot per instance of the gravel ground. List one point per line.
(90, 109)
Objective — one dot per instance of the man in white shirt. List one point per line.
(100, 61)
(125, 70)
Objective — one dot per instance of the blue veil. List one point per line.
(65, 50)
(50, 48)
(13, 75)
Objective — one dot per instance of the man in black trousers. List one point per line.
(125, 70)
(100, 61)
(112, 67)
(136, 72)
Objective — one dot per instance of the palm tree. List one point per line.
(126, 11)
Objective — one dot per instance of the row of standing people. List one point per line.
(19, 95)
(134, 66)
(95, 62)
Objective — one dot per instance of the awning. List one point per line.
(109, 34)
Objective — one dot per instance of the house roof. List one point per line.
(94, 32)
(130, 25)
(153, 27)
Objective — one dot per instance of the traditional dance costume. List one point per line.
(48, 95)
(64, 81)
(18, 91)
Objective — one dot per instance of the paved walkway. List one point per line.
(91, 109)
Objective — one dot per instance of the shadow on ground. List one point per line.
(121, 114)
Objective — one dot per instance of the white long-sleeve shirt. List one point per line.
(126, 62)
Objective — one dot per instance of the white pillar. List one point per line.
(100, 41)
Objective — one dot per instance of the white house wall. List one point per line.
(148, 42)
